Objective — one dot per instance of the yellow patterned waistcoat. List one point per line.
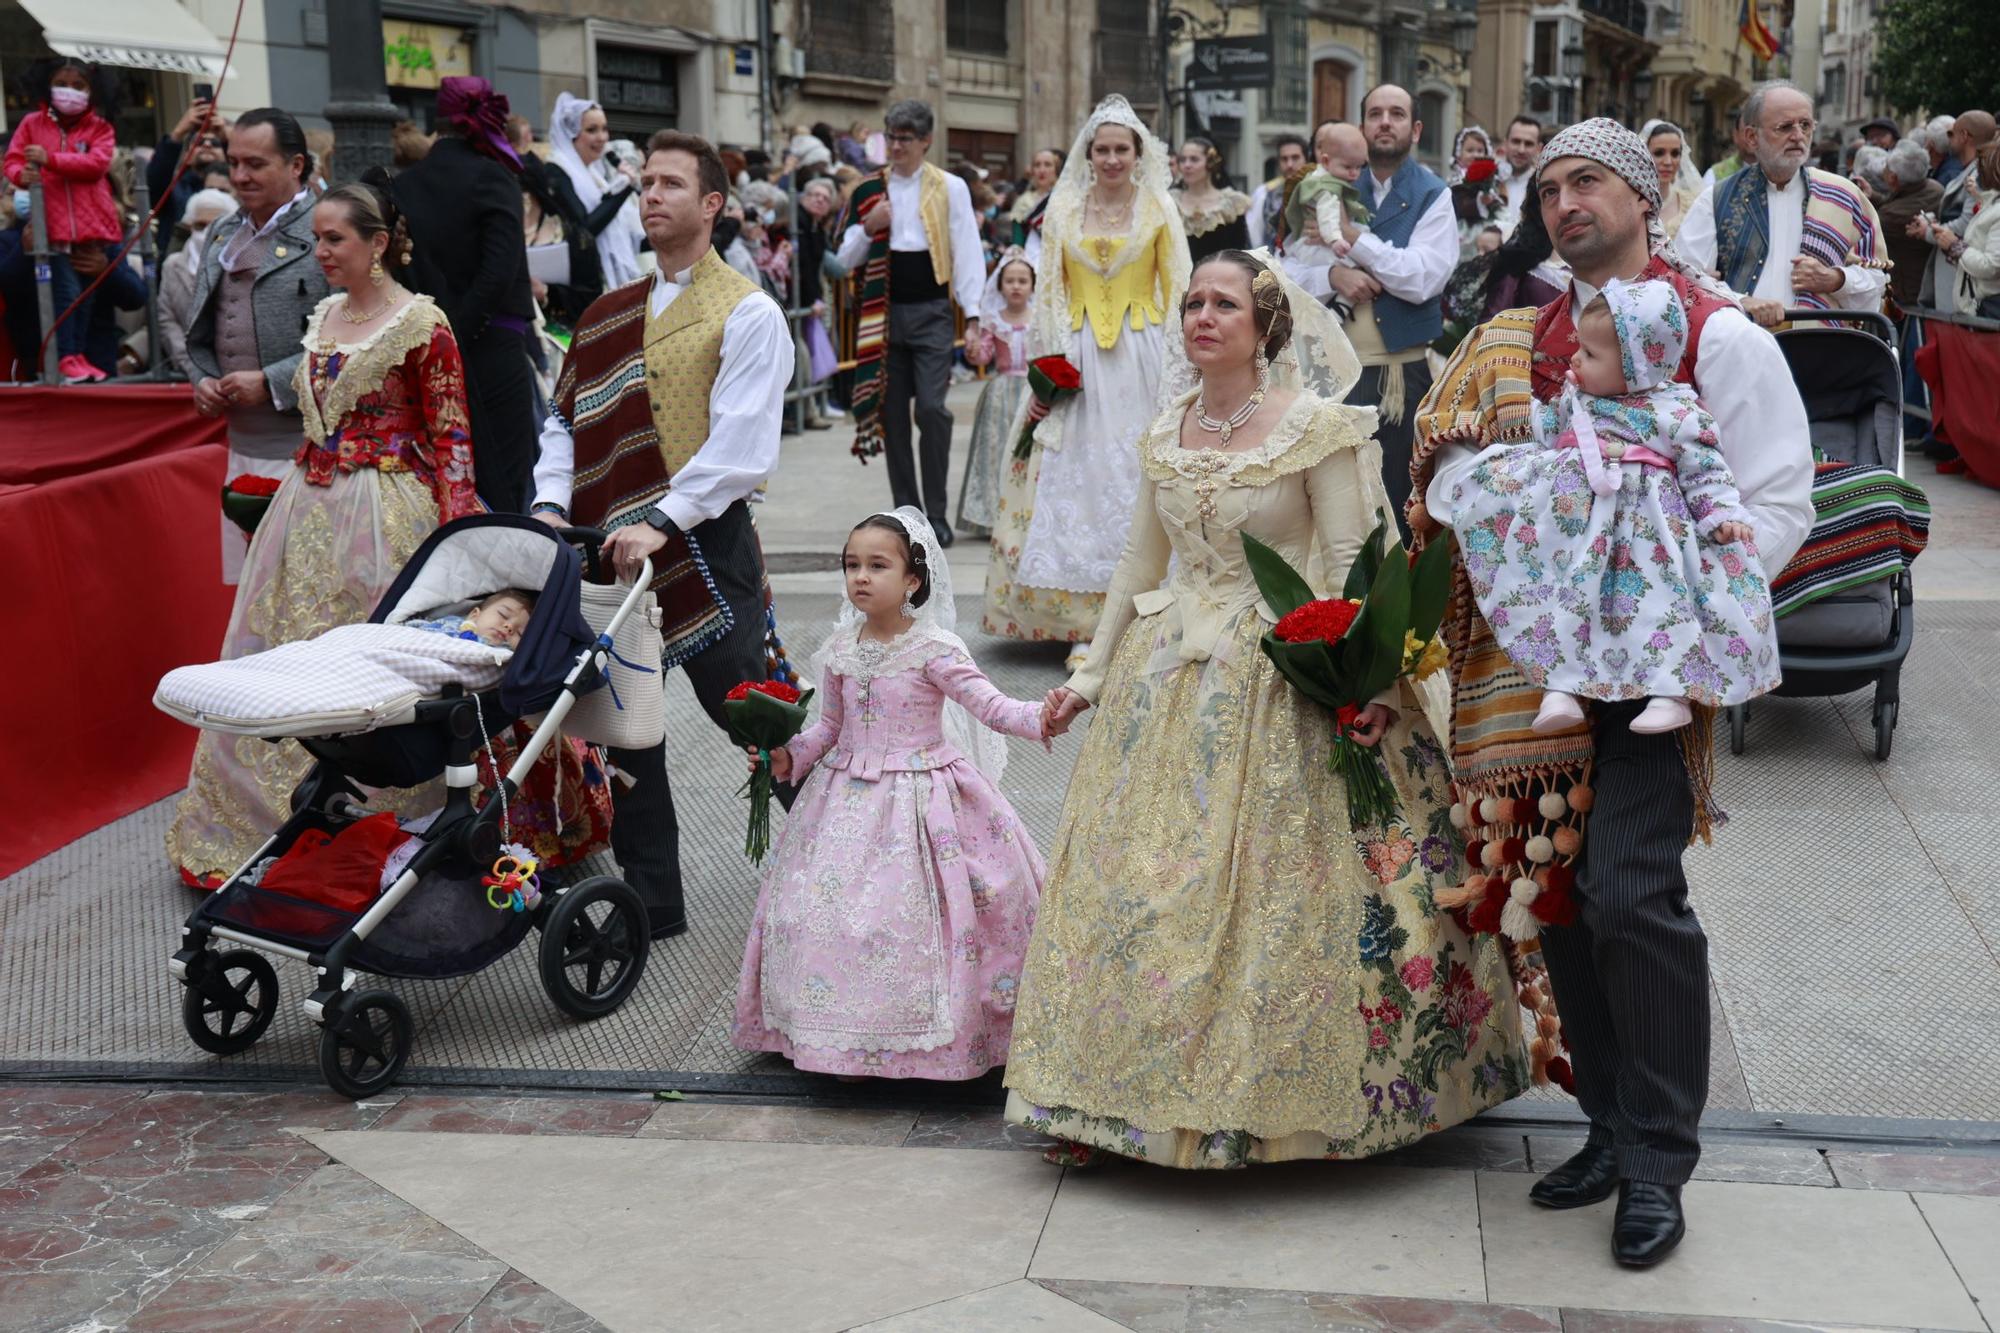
(684, 355)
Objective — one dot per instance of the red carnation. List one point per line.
(1325, 619)
(1481, 169)
(777, 689)
(1059, 371)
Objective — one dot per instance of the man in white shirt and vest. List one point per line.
(694, 361)
(1401, 265)
(1785, 233)
(1520, 148)
(914, 239)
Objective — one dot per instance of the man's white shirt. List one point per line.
(906, 232)
(1786, 208)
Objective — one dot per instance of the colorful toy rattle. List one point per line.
(513, 882)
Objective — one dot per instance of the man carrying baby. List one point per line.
(1630, 972)
(665, 420)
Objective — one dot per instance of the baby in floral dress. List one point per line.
(1611, 553)
(896, 907)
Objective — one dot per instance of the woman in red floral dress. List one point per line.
(387, 457)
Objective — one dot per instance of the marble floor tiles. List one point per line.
(191, 1210)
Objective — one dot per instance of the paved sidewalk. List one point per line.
(190, 1210)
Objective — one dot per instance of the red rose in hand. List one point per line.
(777, 689)
(1481, 170)
(1060, 372)
(1325, 619)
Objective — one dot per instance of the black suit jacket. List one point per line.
(463, 210)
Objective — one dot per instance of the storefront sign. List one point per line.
(1232, 62)
(637, 82)
(419, 55)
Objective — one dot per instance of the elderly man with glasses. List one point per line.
(1784, 233)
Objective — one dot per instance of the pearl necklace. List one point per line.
(1236, 418)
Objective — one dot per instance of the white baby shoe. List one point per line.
(1662, 715)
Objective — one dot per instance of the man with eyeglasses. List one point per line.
(914, 238)
(1786, 233)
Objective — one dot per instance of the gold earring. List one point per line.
(375, 272)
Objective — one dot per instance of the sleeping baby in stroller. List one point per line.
(353, 677)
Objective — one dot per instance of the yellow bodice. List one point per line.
(1113, 280)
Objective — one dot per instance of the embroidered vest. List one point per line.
(683, 355)
(1412, 190)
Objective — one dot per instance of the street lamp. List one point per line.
(360, 110)
(1642, 91)
(1572, 72)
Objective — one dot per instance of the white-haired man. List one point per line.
(1782, 232)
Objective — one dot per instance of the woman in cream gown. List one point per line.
(1113, 263)
(1224, 970)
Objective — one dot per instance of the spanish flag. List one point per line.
(1756, 36)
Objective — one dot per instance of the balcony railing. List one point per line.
(1627, 14)
(851, 39)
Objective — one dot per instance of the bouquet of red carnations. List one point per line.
(765, 714)
(1051, 379)
(245, 498)
(1341, 653)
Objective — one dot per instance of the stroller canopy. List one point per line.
(470, 557)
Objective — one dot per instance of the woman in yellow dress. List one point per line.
(1114, 261)
(1224, 969)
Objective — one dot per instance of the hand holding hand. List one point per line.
(245, 387)
(1060, 708)
(1372, 725)
(1734, 531)
(781, 762)
(208, 399)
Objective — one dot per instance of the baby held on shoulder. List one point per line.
(1611, 554)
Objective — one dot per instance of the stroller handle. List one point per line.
(1876, 322)
(592, 541)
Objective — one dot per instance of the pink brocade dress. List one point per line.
(897, 905)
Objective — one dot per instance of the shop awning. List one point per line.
(134, 34)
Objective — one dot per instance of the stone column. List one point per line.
(360, 110)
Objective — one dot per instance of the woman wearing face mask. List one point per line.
(67, 144)
(204, 209)
(594, 192)
(1114, 264)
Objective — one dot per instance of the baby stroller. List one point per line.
(435, 918)
(1858, 636)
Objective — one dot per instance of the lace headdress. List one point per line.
(932, 633)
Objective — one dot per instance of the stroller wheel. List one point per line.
(362, 1047)
(1885, 725)
(228, 1000)
(1739, 722)
(594, 947)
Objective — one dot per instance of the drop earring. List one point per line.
(909, 607)
(375, 272)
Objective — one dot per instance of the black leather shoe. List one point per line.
(1649, 1223)
(944, 533)
(1587, 1178)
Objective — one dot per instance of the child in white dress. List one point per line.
(1611, 554)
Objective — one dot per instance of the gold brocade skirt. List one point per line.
(322, 556)
(1222, 969)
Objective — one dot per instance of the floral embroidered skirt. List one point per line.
(1223, 971)
(1611, 597)
(890, 927)
(991, 452)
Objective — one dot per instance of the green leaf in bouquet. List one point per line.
(1377, 633)
(1361, 574)
(760, 720)
(1283, 589)
(1308, 666)
(1430, 587)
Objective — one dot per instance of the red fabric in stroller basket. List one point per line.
(342, 871)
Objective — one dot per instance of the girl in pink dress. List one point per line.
(898, 901)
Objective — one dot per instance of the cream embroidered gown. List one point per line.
(1223, 969)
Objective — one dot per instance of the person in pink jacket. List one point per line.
(67, 144)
